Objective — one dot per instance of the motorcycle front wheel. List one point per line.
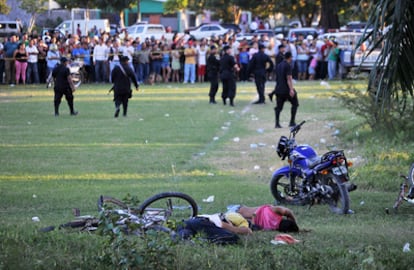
(338, 201)
(76, 79)
(281, 191)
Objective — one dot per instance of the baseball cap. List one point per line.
(63, 59)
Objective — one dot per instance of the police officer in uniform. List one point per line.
(213, 67)
(285, 91)
(228, 66)
(63, 86)
(260, 64)
(120, 77)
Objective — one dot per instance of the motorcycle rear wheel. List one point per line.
(280, 188)
(339, 200)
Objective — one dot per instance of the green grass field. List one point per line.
(173, 140)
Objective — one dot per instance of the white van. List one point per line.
(10, 27)
(70, 26)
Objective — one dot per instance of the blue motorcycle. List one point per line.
(311, 179)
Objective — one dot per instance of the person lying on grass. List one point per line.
(268, 217)
(216, 228)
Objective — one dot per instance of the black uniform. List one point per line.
(62, 87)
(282, 90)
(213, 68)
(258, 65)
(227, 63)
(120, 77)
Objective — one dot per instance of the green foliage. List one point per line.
(392, 81)
(4, 8)
(126, 246)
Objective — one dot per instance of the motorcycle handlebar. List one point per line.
(297, 127)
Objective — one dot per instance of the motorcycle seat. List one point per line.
(313, 161)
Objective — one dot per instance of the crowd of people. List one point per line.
(30, 58)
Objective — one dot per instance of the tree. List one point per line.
(33, 7)
(391, 83)
(4, 8)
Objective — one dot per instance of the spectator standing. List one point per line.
(32, 73)
(20, 56)
(254, 49)
(41, 61)
(165, 65)
(135, 57)
(285, 91)
(228, 67)
(52, 58)
(175, 64)
(1, 62)
(201, 61)
(121, 78)
(113, 56)
(244, 63)
(302, 60)
(333, 60)
(144, 62)
(79, 31)
(100, 57)
(260, 64)
(213, 67)
(156, 61)
(9, 63)
(190, 63)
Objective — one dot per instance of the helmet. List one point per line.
(282, 147)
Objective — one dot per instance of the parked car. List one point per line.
(144, 31)
(208, 30)
(351, 55)
(232, 26)
(294, 33)
(282, 29)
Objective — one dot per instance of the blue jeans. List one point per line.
(331, 69)
(156, 67)
(32, 73)
(144, 71)
(100, 71)
(189, 73)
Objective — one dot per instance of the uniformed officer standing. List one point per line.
(285, 91)
(213, 67)
(228, 66)
(260, 64)
(63, 86)
(120, 77)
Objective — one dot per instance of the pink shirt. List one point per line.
(266, 218)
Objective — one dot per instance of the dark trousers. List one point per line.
(260, 80)
(1, 70)
(121, 100)
(58, 97)
(214, 84)
(42, 70)
(229, 89)
(244, 76)
(203, 226)
(280, 101)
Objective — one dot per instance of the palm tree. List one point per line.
(392, 80)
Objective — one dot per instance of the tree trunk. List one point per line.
(121, 19)
(329, 15)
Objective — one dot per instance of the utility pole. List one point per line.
(138, 11)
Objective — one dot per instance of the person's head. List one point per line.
(124, 59)
(213, 49)
(261, 47)
(227, 49)
(287, 225)
(288, 56)
(64, 61)
(282, 48)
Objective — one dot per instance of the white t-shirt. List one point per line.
(202, 56)
(32, 57)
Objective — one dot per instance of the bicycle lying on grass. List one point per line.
(406, 192)
(156, 213)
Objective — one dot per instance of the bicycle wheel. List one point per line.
(174, 206)
(111, 203)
